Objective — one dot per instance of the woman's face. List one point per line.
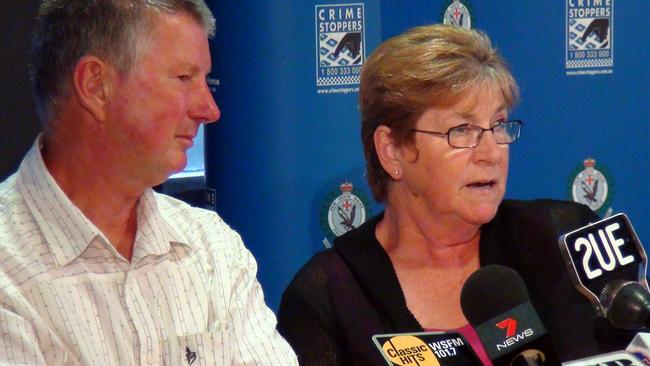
(451, 184)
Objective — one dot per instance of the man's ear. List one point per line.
(388, 153)
(93, 80)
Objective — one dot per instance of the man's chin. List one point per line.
(179, 164)
(175, 168)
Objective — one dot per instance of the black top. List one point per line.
(346, 294)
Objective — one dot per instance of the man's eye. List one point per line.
(184, 77)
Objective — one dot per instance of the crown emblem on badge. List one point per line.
(458, 13)
(589, 163)
(346, 187)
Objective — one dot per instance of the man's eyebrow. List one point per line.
(187, 66)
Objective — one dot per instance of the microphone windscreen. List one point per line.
(627, 304)
(491, 290)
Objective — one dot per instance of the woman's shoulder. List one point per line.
(562, 215)
(308, 295)
(313, 275)
(543, 204)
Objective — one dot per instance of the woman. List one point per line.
(435, 127)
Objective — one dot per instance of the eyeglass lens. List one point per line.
(469, 136)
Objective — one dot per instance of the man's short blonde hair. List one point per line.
(113, 30)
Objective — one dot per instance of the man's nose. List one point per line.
(205, 108)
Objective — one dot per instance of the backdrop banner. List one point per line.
(285, 166)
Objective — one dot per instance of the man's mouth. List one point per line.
(484, 184)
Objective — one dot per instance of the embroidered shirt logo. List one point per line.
(190, 356)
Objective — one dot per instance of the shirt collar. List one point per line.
(68, 232)
(65, 228)
(155, 233)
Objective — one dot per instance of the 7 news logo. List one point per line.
(512, 337)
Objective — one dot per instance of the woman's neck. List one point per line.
(410, 237)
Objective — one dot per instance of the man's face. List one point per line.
(156, 110)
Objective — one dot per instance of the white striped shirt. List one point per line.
(67, 297)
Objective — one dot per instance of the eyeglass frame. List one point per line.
(516, 121)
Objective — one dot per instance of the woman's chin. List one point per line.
(482, 214)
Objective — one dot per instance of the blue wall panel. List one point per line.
(281, 149)
(279, 144)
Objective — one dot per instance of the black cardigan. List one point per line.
(344, 295)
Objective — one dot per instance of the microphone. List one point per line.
(426, 349)
(495, 301)
(608, 264)
(621, 358)
(627, 304)
(637, 353)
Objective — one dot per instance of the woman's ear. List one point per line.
(388, 153)
(92, 86)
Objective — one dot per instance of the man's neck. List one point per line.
(96, 187)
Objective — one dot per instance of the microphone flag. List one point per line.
(425, 349)
(621, 358)
(640, 347)
(601, 252)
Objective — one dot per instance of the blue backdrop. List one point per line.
(285, 164)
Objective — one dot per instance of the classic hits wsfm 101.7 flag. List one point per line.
(425, 349)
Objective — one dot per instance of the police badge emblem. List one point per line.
(458, 14)
(592, 186)
(342, 212)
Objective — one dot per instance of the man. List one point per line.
(96, 268)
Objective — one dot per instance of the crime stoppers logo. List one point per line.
(409, 350)
(340, 46)
(342, 211)
(589, 37)
(591, 184)
(457, 13)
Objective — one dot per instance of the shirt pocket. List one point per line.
(210, 348)
(179, 301)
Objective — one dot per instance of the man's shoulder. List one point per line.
(15, 217)
(174, 208)
(198, 225)
(8, 192)
(21, 245)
